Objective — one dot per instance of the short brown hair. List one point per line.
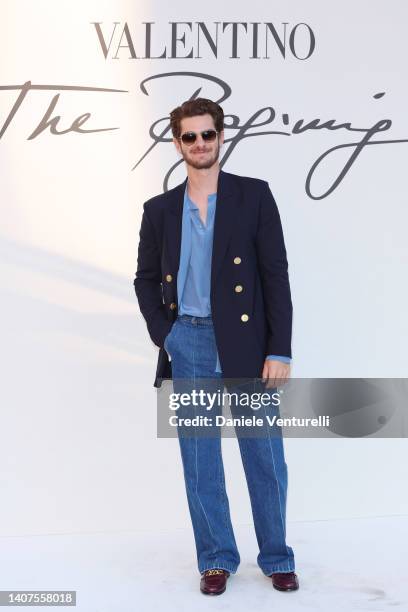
(191, 108)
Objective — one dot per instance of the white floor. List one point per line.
(343, 565)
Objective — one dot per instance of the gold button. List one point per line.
(173, 305)
(244, 317)
(169, 278)
(238, 288)
(237, 260)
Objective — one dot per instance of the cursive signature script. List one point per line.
(241, 129)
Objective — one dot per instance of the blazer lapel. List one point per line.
(173, 227)
(226, 215)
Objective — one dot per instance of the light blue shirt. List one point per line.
(194, 273)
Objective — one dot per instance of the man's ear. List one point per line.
(221, 137)
(177, 145)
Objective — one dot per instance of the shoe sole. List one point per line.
(283, 589)
(213, 592)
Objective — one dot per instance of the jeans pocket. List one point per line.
(165, 343)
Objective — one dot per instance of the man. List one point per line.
(213, 287)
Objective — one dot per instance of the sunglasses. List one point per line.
(189, 138)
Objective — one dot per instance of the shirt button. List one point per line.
(244, 317)
(169, 278)
(172, 306)
(237, 260)
(238, 288)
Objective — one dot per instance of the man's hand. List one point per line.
(275, 372)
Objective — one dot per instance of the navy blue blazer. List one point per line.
(248, 250)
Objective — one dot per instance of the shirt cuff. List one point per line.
(279, 358)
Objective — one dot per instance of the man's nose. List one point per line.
(200, 140)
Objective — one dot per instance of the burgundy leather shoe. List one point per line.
(287, 581)
(214, 581)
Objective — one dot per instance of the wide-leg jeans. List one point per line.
(192, 349)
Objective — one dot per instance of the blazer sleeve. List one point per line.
(273, 266)
(148, 281)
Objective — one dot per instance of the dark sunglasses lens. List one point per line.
(188, 138)
(209, 135)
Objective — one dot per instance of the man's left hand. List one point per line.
(275, 372)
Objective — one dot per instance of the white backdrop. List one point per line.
(79, 450)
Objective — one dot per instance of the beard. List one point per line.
(206, 160)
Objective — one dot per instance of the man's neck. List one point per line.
(203, 181)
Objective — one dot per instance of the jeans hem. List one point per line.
(289, 567)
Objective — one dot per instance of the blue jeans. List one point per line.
(192, 348)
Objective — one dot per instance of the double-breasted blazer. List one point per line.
(250, 298)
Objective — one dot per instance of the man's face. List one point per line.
(200, 154)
